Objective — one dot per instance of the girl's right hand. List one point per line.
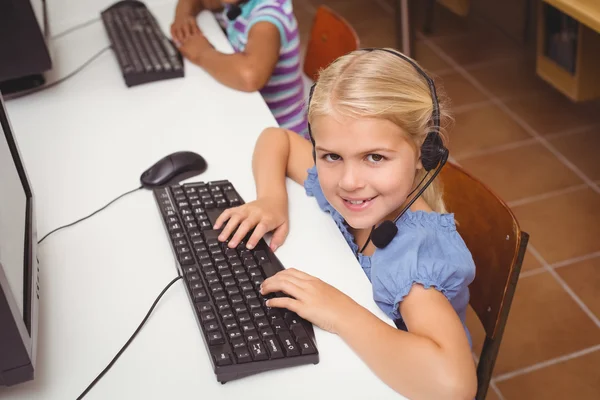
(183, 27)
(264, 215)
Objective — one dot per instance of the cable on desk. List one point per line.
(51, 84)
(115, 358)
(75, 28)
(92, 214)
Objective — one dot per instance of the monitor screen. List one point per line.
(13, 208)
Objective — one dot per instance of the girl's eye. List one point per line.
(375, 158)
(331, 157)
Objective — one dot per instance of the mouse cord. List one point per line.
(92, 214)
(116, 357)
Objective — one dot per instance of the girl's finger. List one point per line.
(285, 302)
(258, 233)
(222, 218)
(248, 223)
(231, 226)
(289, 285)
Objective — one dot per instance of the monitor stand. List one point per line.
(22, 84)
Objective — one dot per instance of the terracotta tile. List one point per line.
(582, 150)
(551, 112)
(460, 91)
(573, 379)
(584, 278)
(491, 395)
(428, 59)
(477, 48)
(483, 128)
(544, 323)
(521, 172)
(376, 32)
(509, 78)
(564, 226)
(445, 22)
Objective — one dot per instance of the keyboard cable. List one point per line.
(116, 357)
(92, 214)
(52, 84)
(75, 28)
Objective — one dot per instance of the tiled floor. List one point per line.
(538, 151)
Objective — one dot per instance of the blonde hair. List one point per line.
(377, 84)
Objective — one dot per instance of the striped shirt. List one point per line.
(284, 92)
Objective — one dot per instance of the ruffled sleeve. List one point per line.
(313, 188)
(428, 251)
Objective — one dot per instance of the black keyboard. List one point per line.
(143, 52)
(242, 335)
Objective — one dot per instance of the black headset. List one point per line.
(433, 154)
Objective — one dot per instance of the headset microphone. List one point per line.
(235, 10)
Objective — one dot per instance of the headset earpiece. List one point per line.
(432, 151)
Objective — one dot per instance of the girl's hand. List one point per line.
(183, 27)
(264, 215)
(311, 298)
(194, 46)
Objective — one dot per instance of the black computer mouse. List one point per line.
(173, 168)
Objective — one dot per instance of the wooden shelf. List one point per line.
(582, 84)
(585, 11)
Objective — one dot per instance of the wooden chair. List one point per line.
(331, 36)
(498, 245)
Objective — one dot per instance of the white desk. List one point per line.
(88, 140)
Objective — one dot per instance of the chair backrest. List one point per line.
(331, 36)
(492, 234)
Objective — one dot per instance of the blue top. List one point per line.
(427, 250)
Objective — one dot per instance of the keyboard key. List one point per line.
(222, 359)
(238, 343)
(258, 350)
(211, 327)
(274, 348)
(289, 347)
(306, 347)
(261, 257)
(207, 317)
(248, 326)
(200, 295)
(204, 307)
(244, 317)
(231, 324)
(242, 354)
(251, 335)
(234, 334)
(186, 259)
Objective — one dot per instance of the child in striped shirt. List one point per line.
(265, 37)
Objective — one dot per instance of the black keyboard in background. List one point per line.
(143, 52)
(242, 335)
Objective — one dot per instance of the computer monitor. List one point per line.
(19, 289)
(24, 52)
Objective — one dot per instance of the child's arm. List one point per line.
(247, 71)
(431, 361)
(185, 16)
(278, 153)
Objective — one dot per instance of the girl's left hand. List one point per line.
(311, 298)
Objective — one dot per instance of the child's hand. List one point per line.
(194, 45)
(183, 27)
(264, 215)
(311, 298)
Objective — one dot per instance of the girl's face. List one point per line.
(366, 167)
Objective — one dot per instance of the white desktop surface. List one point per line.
(86, 141)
